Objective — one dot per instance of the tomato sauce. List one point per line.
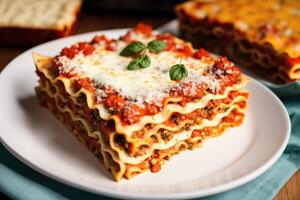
(84, 83)
(201, 53)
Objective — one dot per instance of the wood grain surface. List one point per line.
(92, 21)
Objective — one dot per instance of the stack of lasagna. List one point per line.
(142, 98)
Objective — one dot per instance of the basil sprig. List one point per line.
(178, 72)
(141, 62)
(133, 49)
(156, 46)
(136, 49)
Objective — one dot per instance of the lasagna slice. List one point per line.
(138, 100)
(263, 36)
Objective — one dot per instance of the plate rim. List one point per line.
(121, 194)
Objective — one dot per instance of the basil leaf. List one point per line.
(141, 62)
(132, 49)
(157, 46)
(178, 72)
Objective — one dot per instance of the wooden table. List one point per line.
(92, 21)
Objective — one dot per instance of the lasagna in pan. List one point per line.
(138, 100)
(263, 36)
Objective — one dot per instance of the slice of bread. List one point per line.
(30, 22)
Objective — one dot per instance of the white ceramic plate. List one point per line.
(34, 136)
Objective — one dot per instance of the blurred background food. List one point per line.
(160, 7)
(262, 36)
(31, 22)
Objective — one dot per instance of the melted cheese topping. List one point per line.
(272, 21)
(148, 85)
(38, 13)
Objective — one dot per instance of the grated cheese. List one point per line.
(149, 85)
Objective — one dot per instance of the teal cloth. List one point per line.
(21, 182)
